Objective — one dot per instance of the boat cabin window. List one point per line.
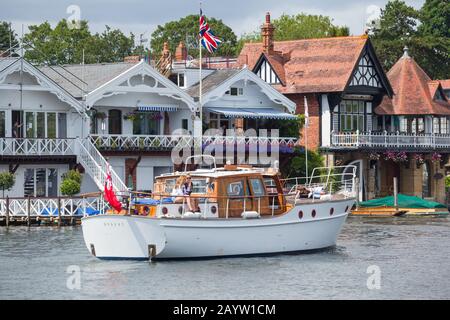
(199, 186)
(271, 186)
(169, 185)
(257, 187)
(235, 189)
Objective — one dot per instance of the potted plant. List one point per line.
(71, 185)
(7, 181)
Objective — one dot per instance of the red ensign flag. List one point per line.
(110, 196)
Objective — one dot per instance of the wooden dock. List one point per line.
(59, 211)
(393, 212)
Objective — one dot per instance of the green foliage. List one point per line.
(435, 17)
(64, 45)
(7, 181)
(447, 183)
(71, 183)
(70, 187)
(297, 167)
(186, 28)
(295, 27)
(306, 26)
(6, 34)
(424, 31)
(291, 128)
(73, 175)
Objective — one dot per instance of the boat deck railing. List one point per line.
(334, 182)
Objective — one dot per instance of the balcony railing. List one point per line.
(37, 147)
(389, 140)
(168, 142)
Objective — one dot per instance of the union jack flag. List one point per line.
(209, 41)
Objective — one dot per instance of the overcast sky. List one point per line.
(142, 16)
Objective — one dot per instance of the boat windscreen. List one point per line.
(199, 186)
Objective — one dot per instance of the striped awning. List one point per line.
(254, 113)
(160, 108)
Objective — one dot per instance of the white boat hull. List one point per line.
(134, 237)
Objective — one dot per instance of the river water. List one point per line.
(409, 256)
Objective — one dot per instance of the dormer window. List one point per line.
(181, 80)
(235, 92)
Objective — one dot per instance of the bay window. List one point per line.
(352, 115)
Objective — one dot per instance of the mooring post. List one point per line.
(7, 211)
(395, 194)
(59, 212)
(28, 211)
(357, 192)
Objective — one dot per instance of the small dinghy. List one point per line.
(230, 211)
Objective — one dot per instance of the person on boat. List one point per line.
(177, 192)
(187, 191)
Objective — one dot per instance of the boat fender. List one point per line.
(192, 215)
(250, 215)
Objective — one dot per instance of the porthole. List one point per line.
(213, 209)
(313, 213)
(331, 211)
(300, 214)
(165, 210)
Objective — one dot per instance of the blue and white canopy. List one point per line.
(253, 113)
(160, 108)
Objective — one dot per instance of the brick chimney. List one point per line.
(267, 31)
(181, 52)
(166, 51)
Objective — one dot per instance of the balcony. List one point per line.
(168, 142)
(389, 140)
(37, 147)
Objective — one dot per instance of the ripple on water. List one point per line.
(409, 251)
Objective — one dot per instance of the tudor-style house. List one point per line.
(54, 118)
(347, 93)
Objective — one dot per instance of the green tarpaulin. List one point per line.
(403, 202)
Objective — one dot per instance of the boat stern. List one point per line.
(123, 237)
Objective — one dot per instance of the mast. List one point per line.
(201, 82)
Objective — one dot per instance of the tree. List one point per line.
(398, 27)
(393, 31)
(435, 17)
(297, 167)
(65, 45)
(306, 26)
(7, 181)
(8, 37)
(296, 27)
(186, 29)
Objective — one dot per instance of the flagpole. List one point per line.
(306, 137)
(201, 82)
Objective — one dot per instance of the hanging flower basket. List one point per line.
(100, 115)
(436, 157)
(396, 156)
(418, 157)
(374, 156)
(130, 116)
